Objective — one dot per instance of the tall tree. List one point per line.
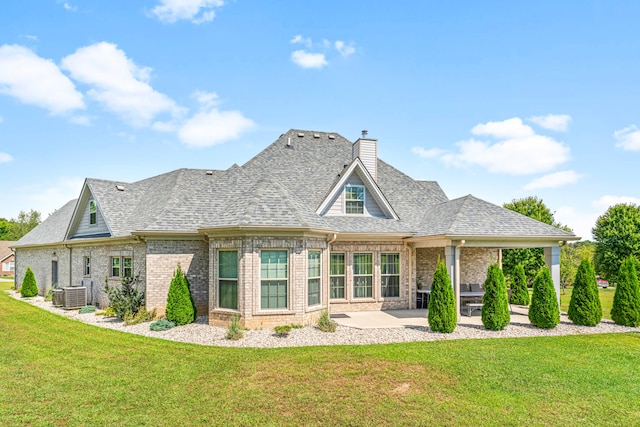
(531, 259)
(571, 255)
(585, 308)
(25, 222)
(495, 308)
(442, 303)
(626, 301)
(617, 236)
(544, 311)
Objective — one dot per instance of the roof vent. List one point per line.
(316, 135)
(300, 135)
(364, 133)
(288, 145)
(332, 137)
(209, 172)
(120, 187)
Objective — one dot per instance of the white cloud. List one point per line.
(605, 202)
(119, 84)
(67, 6)
(206, 100)
(213, 127)
(36, 81)
(427, 154)
(556, 122)
(506, 129)
(31, 37)
(45, 197)
(580, 222)
(1, 119)
(299, 39)
(345, 50)
(81, 120)
(5, 158)
(305, 59)
(628, 138)
(518, 151)
(196, 11)
(554, 180)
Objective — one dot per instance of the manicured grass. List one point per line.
(55, 371)
(606, 299)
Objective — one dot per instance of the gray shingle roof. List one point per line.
(52, 229)
(470, 216)
(283, 186)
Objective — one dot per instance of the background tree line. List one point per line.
(616, 236)
(14, 229)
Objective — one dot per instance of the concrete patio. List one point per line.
(414, 318)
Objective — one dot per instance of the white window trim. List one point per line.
(319, 277)
(121, 267)
(278, 310)
(389, 275)
(84, 266)
(343, 275)
(95, 206)
(364, 199)
(237, 279)
(353, 275)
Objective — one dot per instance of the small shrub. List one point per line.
(29, 286)
(295, 326)
(585, 308)
(109, 312)
(180, 308)
(544, 311)
(161, 325)
(49, 295)
(495, 304)
(626, 301)
(282, 330)
(125, 298)
(442, 304)
(519, 290)
(142, 315)
(325, 324)
(87, 309)
(234, 332)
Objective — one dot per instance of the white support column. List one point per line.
(552, 259)
(452, 260)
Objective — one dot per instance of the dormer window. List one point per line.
(354, 199)
(93, 216)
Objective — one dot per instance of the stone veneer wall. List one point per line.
(252, 316)
(474, 263)
(71, 266)
(377, 302)
(163, 257)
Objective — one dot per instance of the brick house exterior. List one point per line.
(314, 222)
(7, 258)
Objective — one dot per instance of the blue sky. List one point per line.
(499, 99)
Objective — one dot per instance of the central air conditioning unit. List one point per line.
(74, 297)
(58, 297)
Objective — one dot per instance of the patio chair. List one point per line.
(476, 287)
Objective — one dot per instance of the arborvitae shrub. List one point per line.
(29, 286)
(544, 311)
(180, 309)
(519, 290)
(626, 300)
(442, 304)
(495, 303)
(584, 307)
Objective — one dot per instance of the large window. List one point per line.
(121, 266)
(354, 199)
(336, 276)
(228, 279)
(93, 213)
(390, 272)
(313, 277)
(362, 275)
(274, 269)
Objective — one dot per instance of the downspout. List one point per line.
(456, 280)
(410, 255)
(15, 269)
(70, 263)
(328, 269)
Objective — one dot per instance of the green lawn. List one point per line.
(56, 371)
(606, 299)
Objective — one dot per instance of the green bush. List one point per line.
(142, 315)
(442, 304)
(544, 311)
(234, 332)
(519, 290)
(29, 286)
(109, 312)
(49, 295)
(325, 324)
(495, 303)
(125, 299)
(626, 301)
(180, 307)
(585, 308)
(87, 309)
(161, 325)
(282, 330)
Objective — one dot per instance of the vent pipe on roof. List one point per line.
(367, 150)
(288, 145)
